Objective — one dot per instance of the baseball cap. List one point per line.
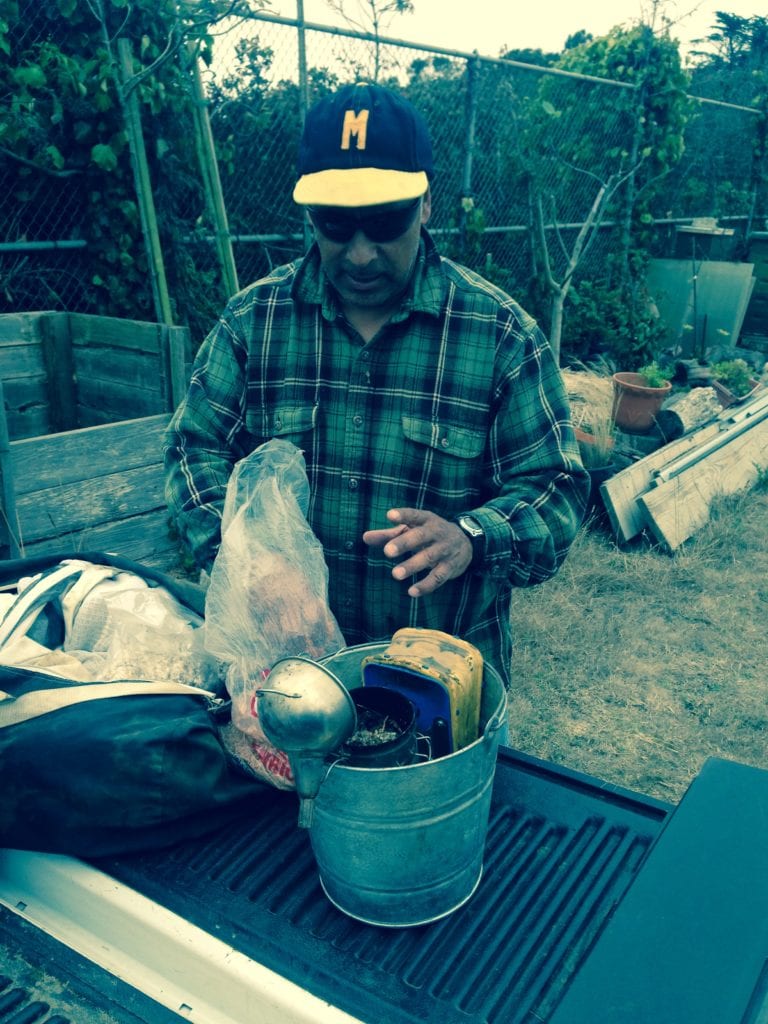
(363, 146)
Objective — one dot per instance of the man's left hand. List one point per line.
(427, 543)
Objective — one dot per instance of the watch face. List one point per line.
(470, 526)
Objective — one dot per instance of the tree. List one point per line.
(593, 154)
(734, 42)
(730, 176)
(578, 39)
(372, 17)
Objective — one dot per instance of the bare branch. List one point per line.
(50, 171)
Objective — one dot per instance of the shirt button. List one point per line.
(278, 424)
(444, 442)
(349, 545)
(365, 355)
(352, 483)
(357, 420)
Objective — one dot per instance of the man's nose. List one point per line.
(360, 249)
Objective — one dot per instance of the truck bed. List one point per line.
(596, 906)
(561, 851)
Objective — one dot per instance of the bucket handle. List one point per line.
(497, 720)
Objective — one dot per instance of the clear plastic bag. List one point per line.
(268, 594)
(168, 651)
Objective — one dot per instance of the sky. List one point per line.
(490, 25)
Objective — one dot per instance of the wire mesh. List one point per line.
(511, 143)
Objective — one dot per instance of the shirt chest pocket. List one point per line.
(291, 422)
(449, 438)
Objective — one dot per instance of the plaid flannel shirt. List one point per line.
(456, 406)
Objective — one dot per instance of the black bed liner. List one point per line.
(561, 851)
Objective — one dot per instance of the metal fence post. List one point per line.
(470, 114)
(303, 92)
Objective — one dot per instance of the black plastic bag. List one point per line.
(118, 774)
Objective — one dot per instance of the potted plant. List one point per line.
(637, 397)
(732, 380)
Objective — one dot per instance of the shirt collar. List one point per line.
(425, 294)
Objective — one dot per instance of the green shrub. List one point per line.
(601, 322)
(734, 374)
(655, 376)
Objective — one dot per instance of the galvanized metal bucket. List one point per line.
(404, 846)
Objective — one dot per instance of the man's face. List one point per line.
(370, 275)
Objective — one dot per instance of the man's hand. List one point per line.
(428, 543)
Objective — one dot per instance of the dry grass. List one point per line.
(635, 665)
(591, 399)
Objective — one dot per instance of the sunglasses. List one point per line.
(340, 225)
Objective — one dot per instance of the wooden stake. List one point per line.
(209, 168)
(10, 519)
(143, 184)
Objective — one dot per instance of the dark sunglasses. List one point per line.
(340, 225)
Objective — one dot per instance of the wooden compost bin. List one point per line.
(85, 400)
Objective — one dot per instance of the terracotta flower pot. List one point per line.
(635, 404)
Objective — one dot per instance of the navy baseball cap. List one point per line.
(363, 146)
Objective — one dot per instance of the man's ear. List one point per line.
(426, 206)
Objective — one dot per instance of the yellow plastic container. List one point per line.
(441, 674)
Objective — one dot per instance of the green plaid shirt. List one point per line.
(456, 406)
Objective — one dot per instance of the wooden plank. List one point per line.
(61, 460)
(21, 359)
(111, 402)
(127, 381)
(60, 372)
(67, 508)
(89, 331)
(620, 494)
(33, 422)
(124, 366)
(9, 525)
(677, 509)
(23, 392)
(757, 342)
(144, 538)
(21, 326)
(178, 352)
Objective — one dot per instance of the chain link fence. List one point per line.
(518, 149)
(480, 118)
(41, 246)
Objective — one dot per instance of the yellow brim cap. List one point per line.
(359, 186)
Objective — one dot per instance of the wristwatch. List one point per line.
(470, 526)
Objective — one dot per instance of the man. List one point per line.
(443, 468)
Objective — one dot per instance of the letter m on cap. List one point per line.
(355, 125)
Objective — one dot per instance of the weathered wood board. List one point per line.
(96, 489)
(621, 492)
(143, 538)
(65, 371)
(675, 510)
(57, 460)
